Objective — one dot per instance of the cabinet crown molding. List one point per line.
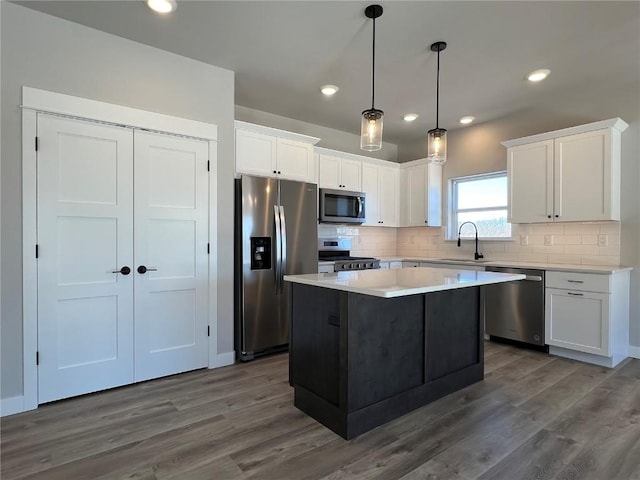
(615, 123)
(275, 132)
(354, 156)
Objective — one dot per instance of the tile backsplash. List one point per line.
(366, 241)
(575, 243)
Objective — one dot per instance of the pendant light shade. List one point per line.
(437, 137)
(371, 129)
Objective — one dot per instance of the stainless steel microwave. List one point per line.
(341, 206)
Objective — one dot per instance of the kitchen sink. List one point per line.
(459, 260)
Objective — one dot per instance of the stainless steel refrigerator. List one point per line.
(275, 235)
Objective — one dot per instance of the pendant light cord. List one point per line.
(373, 67)
(438, 91)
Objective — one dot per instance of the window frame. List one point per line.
(452, 232)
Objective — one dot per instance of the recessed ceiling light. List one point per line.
(329, 90)
(162, 6)
(410, 117)
(466, 120)
(538, 75)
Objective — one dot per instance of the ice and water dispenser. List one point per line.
(260, 253)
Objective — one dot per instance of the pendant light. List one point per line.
(371, 131)
(437, 137)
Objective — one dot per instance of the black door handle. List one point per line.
(124, 270)
(143, 269)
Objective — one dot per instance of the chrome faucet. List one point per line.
(476, 255)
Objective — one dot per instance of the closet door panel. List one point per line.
(85, 236)
(171, 208)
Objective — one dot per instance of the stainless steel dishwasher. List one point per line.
(515, 310)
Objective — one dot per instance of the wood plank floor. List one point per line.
(534, 416)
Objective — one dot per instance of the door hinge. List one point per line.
(37, 143)
(208, 165)
(37, 358)
(208, 248)
(208, 331)
(37, 251)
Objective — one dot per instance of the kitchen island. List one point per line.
(369, 346)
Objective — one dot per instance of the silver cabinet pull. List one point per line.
(576, 294)
(575, 281)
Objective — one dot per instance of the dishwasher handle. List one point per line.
(533, 278)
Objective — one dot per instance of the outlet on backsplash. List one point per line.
(603, 240)
(548, 240)
(524, 240)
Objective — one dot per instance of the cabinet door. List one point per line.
(530, 175)
(583, 177)
(351, 174)
(577, 320)
(388, 196)
(295, 160)
(423, 195)
(370, 178)
(417, 196)
(328, 171)
(255, 153)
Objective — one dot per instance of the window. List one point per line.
(481, 199)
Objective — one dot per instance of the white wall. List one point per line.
(45, 52)
(477, 149)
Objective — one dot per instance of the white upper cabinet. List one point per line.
(566, 175)
(269, 152)
(339, 173)
(380, 183)
(421, 194)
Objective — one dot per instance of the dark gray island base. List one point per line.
(358, 361)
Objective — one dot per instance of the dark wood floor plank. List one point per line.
(539, 458)
(533, 415)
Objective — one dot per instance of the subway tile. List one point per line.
(548, 249)
(564, 258)
(532, 257)
(612, 228)
(581, 228)
(589, 239)
(536, 240)
(612, 250)
(568, 239)
(547, 229)
(600, 260)
(581, 250)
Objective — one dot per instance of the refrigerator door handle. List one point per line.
(283, 245)
(278, 266)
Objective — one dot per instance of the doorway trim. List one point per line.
(36, 101)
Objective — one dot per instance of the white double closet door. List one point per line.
(113, 200)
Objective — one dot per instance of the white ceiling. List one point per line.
(282, 52)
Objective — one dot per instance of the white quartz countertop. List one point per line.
(402, 281)
(558, 267)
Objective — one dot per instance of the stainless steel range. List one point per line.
(338, 250)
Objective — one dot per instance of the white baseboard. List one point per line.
(634, 351)
(224, 359)
(11, 405)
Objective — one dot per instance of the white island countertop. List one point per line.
(402, 281)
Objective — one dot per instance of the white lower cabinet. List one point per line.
(587, 316)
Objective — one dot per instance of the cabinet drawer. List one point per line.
(588, 282)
